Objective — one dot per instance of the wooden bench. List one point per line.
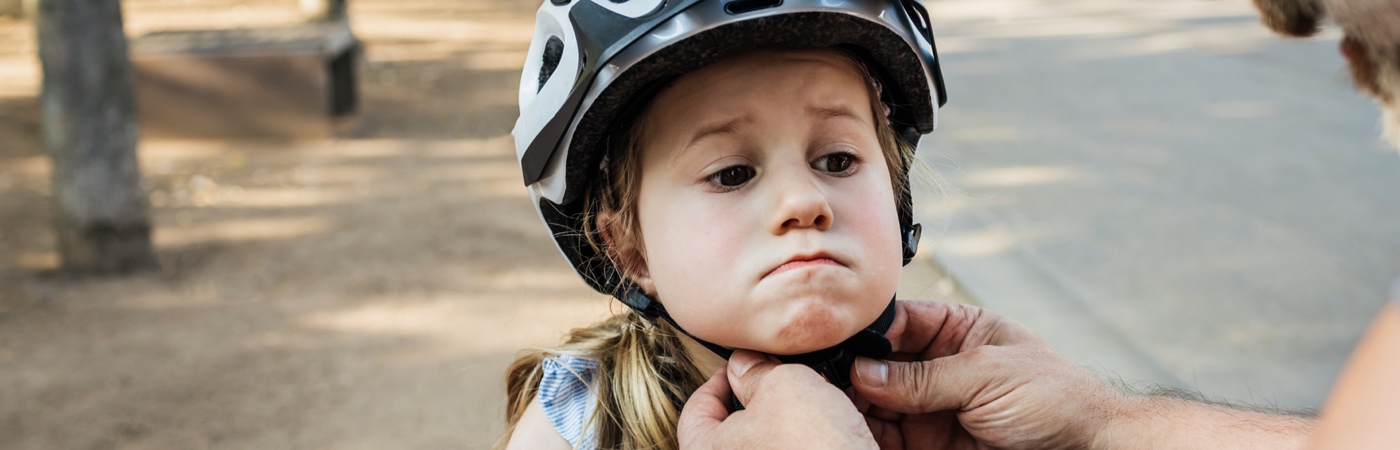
(282, 82)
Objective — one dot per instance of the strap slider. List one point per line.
(640, 302)
(911, 237)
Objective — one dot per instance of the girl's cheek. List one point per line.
(872, 206)
(692, 241)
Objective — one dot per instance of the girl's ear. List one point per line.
(622, 249)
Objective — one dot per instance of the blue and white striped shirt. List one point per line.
(568, 400)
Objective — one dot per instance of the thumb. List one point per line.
(703, 412)
(916, 387)
(746, 371)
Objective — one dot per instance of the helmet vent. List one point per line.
(553, 52)
(744, 6)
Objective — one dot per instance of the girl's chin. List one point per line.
(800, 348)
(797, 324)
(814, 328)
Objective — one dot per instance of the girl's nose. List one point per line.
(801, 204)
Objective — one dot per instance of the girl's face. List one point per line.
(766, 210)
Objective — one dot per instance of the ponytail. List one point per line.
(643, 379)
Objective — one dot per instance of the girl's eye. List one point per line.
(837, 163)
(732, 176)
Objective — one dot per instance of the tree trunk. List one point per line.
(89, 128)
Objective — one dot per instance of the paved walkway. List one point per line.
(1164, 190)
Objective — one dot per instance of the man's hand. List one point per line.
(786, 406)
(963, 377)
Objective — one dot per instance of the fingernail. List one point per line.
(871, 372)
(741, 361)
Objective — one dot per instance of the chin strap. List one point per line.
(834, 364)
(652, 309)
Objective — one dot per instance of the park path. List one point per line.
(1165, 190)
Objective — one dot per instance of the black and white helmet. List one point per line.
(589, 60)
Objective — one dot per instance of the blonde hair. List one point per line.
(643, 378)
(644, 374)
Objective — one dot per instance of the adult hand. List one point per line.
(963, 377)
(786, 406)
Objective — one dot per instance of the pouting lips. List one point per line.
(800, 262)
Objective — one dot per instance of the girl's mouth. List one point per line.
(798, 263)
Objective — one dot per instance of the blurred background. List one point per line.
(345, 256)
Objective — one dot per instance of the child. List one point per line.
(736, 173)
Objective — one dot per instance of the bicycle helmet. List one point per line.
(591, 61)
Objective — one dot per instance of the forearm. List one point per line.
(1167, 423)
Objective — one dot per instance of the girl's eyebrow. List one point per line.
(832, 112)
(726, 127)
(732, 125)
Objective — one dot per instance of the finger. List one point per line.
(746, 371)
(860, 402)
(886, 434)
(704, 411)
(921, 387)
(935, 329)
(919, 325)
(882, 413)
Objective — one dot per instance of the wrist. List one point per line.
(1162, 422)
(1118, 425)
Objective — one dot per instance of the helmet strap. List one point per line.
(652, 309)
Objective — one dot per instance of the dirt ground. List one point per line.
(359, 292)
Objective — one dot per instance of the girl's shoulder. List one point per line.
(566, 394)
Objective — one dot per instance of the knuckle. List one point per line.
(795, 373)
(789, 379)
(918, 382)
(760, 376)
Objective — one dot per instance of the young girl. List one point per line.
(736, 173)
